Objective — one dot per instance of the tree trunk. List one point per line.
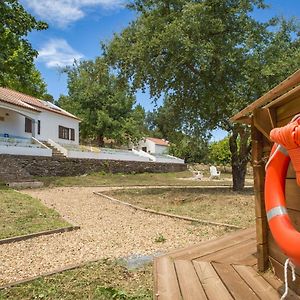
(240, 147)
(100, 139)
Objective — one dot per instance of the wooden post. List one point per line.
(260, 212)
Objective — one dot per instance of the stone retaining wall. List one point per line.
(12, 167)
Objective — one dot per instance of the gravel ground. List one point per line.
(108, 230)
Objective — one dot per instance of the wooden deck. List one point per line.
(219, 269)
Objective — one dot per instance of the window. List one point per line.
(66, 133)
(63, 132)
(28, 125)
(72, 134)
(39, 127)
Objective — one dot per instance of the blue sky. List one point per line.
(76, 28)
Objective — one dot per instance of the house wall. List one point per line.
(152, 147)
(13, 124)
(49, 127)
(159, 149)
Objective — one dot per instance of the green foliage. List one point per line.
(187, 142)
(160, 238)
(103, 102)
(210, 58)
(219, 152)
(191, 149)
(17, 69)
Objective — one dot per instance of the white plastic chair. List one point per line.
(214, 173)
(198, 175)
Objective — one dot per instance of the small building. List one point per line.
(274, 109)
(26, 117)
(154, 145)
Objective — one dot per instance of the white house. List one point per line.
(154, 145)
(24, 117)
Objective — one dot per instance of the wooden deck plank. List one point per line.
(237, 287)
(214, 243)
(190, 286)
(167, 283)
(211, 282)
(211, 247)
(226, 270)
(279, 286)
(233, 254)
(257, 283)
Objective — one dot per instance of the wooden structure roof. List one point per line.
(283, 92)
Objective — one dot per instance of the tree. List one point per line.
(103, 102)
(219, 152)
(17, 69)
(187, 142)
(211, 59)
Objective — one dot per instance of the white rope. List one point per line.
(272, 156)
(286, 265)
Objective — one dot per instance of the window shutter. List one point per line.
(28, 125)
(72, 134)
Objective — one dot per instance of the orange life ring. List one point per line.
(283, 231)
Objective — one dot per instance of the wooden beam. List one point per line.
(264, 121)
(244, 120)
(284, 98)
(277, 91)
(260, 213)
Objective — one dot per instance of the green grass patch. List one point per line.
(108, 179)
(22, 214)
(104, 280)
(217, 205)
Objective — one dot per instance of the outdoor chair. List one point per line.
(214, 173)
(198, 175)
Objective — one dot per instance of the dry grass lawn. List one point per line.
(219, 204)
(149, 179)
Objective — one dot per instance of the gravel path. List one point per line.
(108, 230)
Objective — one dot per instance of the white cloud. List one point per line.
(58, 53)
(64, 12)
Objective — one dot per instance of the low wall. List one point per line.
(15, 150)
(49, 166)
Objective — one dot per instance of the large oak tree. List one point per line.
(103, 102)
(210, 57)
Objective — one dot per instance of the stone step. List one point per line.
(55, 151)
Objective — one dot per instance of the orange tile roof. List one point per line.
(158, 141)
(29, 102)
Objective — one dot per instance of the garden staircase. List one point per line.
(55, 152)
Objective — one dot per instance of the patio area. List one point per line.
(223, 268)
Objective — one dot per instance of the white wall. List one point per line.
(13, 124)
(49, 127)
(160, 149)
(32, 151)
(152, 147)
(148, 144)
